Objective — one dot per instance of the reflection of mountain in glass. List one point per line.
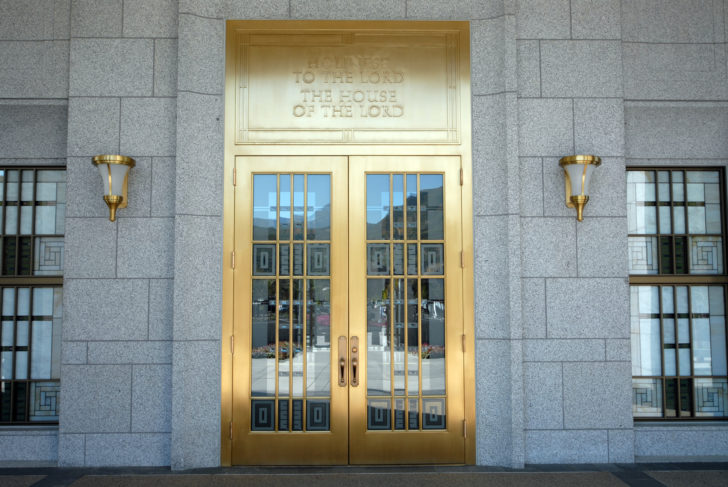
(319, 224)
(431, 221)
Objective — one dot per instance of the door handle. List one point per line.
(354, 361)
(342, 361)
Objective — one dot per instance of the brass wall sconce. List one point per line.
(114, 171)
(577, 173)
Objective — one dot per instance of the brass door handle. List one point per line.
(354, 361)
(342, 361)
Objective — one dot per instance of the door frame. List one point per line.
(462, 148)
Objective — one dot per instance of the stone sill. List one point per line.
(29, 430)
(681, 425)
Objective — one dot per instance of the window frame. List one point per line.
(31, 282)
(688, 280)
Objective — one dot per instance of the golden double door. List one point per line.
(348, 327)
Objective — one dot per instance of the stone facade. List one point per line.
(638, 82)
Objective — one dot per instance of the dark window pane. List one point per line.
(670, 398)
(25, 267)
(9, 252)
(666, 255)
(686, 396)
(21, 401)
(681, 255)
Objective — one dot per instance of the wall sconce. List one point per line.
(577, 173)
(115, 176)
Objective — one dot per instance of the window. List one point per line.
(32, 213)
(677, 293)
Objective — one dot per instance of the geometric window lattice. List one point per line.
(379, 414)
(318, 259)
(45, 397)
(433, 413)
(711, 396)
(48, 258)
(377, 259)
(317, 415)
(706, 255)
(432, 259)
(646, 397)
(643, 255)
(262, 414)
(264, 260)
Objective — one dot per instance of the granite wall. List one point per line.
(638, 82)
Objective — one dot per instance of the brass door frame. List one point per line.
(462, 149)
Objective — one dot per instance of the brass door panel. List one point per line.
(406, 310)
(290, 304)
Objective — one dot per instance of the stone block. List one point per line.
(28, 446)
(597, 395)
(674, 71)
(599, 126)
(490, 168)
(680, 441)
(607, 313)
(151, 394)
(161, 309)
(116, 319)
(672, 21)
(29, 20)
(84, 186)
(148, 126)
(555, 350)
(529, 68)
(581, 68)
(93, 126)
(546, 127)
(549, 247)
(207, 8)
(200, 154)
(96, 398)
(90, 247)
(62, 19)
(533, 294)
(74, 353)
(96, 18)
(270, 9)
(150, 18)
(493, 397)
(34, 69)
(33, 130)
(165, 67)
(454, 9)
(163, 186)
(198, 278)
(618, 350)
(543, 19)
(596, 19)
(138, 352)
(589, 446)
(145, 248)
(621, 446)
(71, 450)
(140, 449)
(201, 65)
(602, 247)
(345, 9)
(196, 404)
(487, 53)
(543, 396)
(491, 271)
(676, 130)
(531, 182)
(112, 67)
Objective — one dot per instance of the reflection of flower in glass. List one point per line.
(432, 351)
(269, 351)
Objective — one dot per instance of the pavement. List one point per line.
(603, 475)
